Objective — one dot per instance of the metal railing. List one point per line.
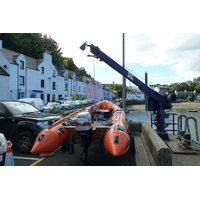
(169, 121)
(180, 127)
(187, 126)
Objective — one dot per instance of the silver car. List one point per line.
(65, 105)
(50, 105)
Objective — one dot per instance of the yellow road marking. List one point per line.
(36, 162)
(41, 159)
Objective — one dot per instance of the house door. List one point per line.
(48, 98)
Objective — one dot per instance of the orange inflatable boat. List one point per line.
(102, 122)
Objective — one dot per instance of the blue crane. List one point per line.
(157, 103)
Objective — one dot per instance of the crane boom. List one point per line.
(156, 102)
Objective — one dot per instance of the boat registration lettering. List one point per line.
(129, 75)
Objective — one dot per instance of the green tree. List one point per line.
(69, 64)
(118, 88)
(191, 98)
(197, 88)
(83, 72)
(30, 44)
(51, 45)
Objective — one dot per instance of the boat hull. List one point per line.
(114, 135)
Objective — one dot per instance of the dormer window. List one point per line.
(74, 78)
(54, 73)
(42, 70)
(21, 64)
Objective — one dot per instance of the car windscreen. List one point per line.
(19, 108)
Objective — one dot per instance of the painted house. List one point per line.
(22, 77)
(90, 87)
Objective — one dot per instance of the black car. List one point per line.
(21, 122)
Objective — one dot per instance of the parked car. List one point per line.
(50, 105)
(78, 103)
(90, 101)
(85, 102)
(36, 102)
(65, 105)
(21, 122)
(72, 104)
(63, 99)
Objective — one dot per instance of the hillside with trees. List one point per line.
(34, 44)
(188, 86)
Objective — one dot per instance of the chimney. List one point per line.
(1, 42)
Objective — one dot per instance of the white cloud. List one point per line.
(179, 52)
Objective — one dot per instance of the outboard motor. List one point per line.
(83, 127)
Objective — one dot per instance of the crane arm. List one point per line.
(157, 101)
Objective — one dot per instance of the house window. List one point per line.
(21, 80)
(73, 87)
(54, 86)
(66, 87)
(54, 73)
(79, 88)
(42, 83)
(21, 64)
(42, 70)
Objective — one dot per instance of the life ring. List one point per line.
(155, 119)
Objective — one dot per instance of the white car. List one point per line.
(85, 102)
(36, 102)
(72, 103)
(78, 103)
(65, 105)
(50, 105)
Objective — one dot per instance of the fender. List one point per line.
(24, 125)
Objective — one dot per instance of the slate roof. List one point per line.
(3, 72)
(10, 55)
(60, 69)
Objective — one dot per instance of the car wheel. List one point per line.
(24, 141)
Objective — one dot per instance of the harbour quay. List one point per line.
(150, 150)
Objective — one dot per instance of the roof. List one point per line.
(3, 72)
(11, 56)
(60, 69)
(70, 74)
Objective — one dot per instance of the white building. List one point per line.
(22, 76)
(135, 94)
(25, 77)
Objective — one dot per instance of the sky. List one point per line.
(166, 57)
(162, 37)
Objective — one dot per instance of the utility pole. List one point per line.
(124, 79)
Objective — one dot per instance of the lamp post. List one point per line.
(124, 79)
(93, 73)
